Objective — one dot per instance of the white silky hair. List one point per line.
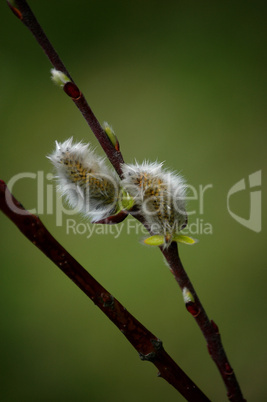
(85, 181)
(159, 194)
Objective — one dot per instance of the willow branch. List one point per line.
(207, 327)
(147, 345)
(22, 10)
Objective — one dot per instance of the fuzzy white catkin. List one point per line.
(84, 179)
(160, 196)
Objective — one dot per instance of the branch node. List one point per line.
(72, 91)
(215, 327)
(228, 369)
(157, 343)
(148, 357)
(193, 309)
(108, 300)
(111, 136)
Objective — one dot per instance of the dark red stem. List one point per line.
(208, 328)
(147, 345)
(24, 13)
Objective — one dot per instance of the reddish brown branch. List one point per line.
(208, 328)
(24, 13)
(147, 345)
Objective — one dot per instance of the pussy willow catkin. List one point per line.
(85, 181)
(160, 196)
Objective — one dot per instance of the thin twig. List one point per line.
(25, 14)
(147, 345)
(207, 327)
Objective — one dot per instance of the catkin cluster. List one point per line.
(159, 195)
(84, 179)
(96, 191)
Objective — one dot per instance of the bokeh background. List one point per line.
(181, 82)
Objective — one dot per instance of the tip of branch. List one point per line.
(13, 7)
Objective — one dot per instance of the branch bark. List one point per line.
(147, 345)
(207, 327)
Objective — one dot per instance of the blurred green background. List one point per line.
(181, 82)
